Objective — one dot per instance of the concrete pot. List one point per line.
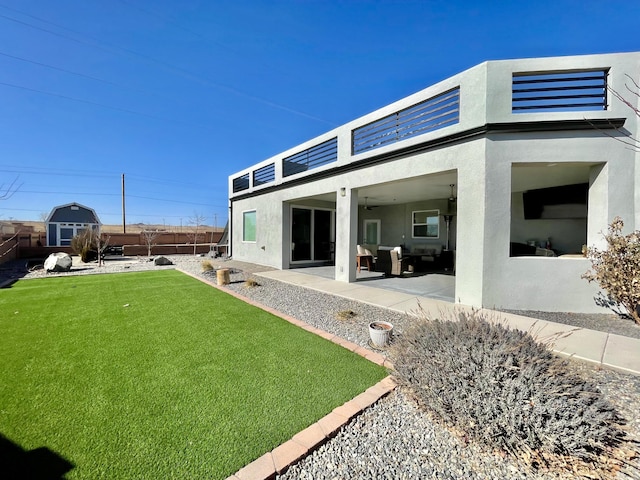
(380, 333)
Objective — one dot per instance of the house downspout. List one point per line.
(229, 235)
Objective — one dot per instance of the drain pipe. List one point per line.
(229, 229)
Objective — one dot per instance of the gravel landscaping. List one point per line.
(392, 439)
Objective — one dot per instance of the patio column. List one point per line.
(346, 234)
(611, 188)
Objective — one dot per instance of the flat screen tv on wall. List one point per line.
(566, 201)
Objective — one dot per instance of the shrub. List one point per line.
(617, 269)
(207, 266)
(90, 245)
(83, 244)
(346, 315)
(505, 390)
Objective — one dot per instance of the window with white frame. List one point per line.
(249, 226)
(66, 231)
(426, 223)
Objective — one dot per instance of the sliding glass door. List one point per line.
(312, 234)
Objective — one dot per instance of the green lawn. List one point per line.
(157, 375)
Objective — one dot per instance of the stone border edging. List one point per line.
(279, 459)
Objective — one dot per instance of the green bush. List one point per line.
(505, 390)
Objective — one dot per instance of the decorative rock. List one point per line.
(58, 262)
(162, 261)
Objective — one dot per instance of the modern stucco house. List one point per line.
(66, 221)
(483, 165)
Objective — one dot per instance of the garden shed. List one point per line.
(66, 221)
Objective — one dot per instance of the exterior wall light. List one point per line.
(343, 192)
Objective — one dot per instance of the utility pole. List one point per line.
(124, 222)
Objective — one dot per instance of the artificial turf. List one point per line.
(157, 375)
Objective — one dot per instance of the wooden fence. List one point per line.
(9, 249)
(32, 245)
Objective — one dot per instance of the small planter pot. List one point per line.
(380, 333)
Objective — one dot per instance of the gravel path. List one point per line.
(392, 439)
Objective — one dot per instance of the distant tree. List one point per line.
(150, 239)
(102, 242)
(197, 220)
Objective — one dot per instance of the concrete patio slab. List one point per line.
(289, 276)
(622, 353)
(406, 306)
(583, 344)
(377, 296)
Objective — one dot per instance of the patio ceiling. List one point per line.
(525, 176)
(413, 189)
(529, 176)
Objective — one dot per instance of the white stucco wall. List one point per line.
(486, 202)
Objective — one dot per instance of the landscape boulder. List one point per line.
(58, 262)
(160, 260)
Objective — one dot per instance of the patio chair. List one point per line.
(398, 265)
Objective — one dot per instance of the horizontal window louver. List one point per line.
(314, 157)
(241, 183)
(266, 174)
(559, 91)
(432, 114)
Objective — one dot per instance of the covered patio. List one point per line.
(437, 286)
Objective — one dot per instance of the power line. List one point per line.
(93, 174)
(174, 21)
(175, 201)
(181, 71)
(111, 107)
(168, 182)
(83, 75)
(42, 192)
(51, 171)
(158, 215)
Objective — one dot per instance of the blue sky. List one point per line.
(178, 95)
